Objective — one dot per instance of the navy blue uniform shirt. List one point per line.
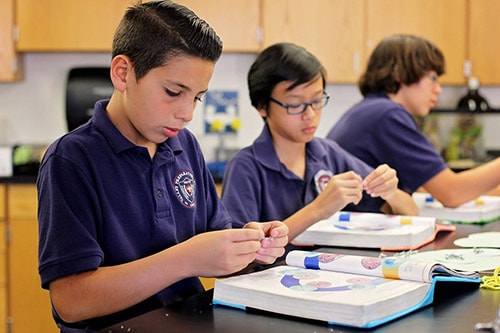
(378, 130)
(103, 201)
(258, 187)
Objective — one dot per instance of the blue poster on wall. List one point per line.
(221, 111)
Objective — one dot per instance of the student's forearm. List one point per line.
(453, 189)
(300, 221)
(111, 289)
(401, 203)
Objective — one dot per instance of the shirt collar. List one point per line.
(116, 139)
(265, 153)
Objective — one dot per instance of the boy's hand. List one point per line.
(342, 189)
(273, 241)
(381, 182)
(225, 252)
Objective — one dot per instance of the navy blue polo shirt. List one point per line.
(378, 130)
(103, 201)
(258, 187)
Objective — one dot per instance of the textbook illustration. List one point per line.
(483, 209)
(339, 289)
(373, 230)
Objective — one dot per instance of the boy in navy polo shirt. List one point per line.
(288, 173)
(401, 82)
(128, 212)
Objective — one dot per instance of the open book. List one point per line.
(339, 289)
(373, 230)
(482, 210)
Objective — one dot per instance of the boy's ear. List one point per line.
(262, 112)
(119, 71)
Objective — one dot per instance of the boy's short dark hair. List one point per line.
(400, 59)
(153, 32)
(281, 62)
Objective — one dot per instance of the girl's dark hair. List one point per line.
(281, 62)
(153, 32)
(400, 59)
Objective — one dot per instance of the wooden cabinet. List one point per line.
(10, 69)
(3, 203)
(3, 279)
(24, 305)
(441, 21)
(236, 21)
(341, 33)
(483, 40)
(89, 25)
(28, 305)
(330, 29)
(61, 25)
(3, 260)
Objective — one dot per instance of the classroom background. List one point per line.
(33, 110)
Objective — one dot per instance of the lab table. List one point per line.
(456, 308)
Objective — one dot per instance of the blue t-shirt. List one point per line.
(378, 130)
(103, 201)
(258, 187)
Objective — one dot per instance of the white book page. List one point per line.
(319, 294)
(481, 239)
(389, 267)
(462, 260)
(371, 230)
(359, 221)
(482, 209)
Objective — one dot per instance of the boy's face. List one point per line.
(419, 98)
(162, 102)
(298, 128)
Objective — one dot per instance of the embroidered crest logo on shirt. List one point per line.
(321, 179)
(185, 188)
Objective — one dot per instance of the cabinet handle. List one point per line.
(260, 35)
(355, 62)
(467, 68)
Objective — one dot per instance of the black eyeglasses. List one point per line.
(298, 108)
